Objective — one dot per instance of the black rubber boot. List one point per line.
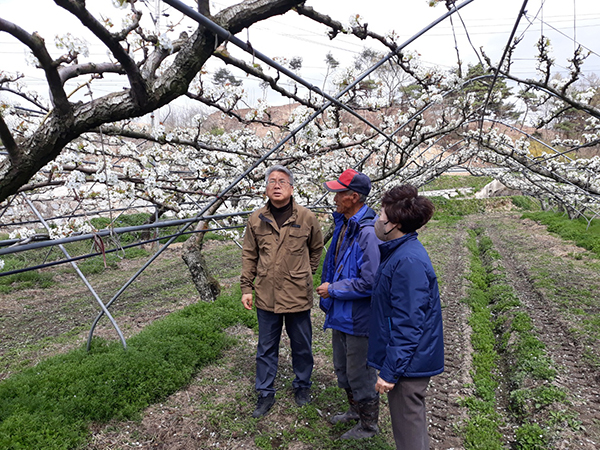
(350, 415)
(367, 427)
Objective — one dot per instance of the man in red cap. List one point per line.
(347, 281)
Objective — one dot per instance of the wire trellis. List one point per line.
(40, 242)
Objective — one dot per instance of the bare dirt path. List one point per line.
(447, 249)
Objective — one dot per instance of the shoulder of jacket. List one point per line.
(411, 262)
(368, 218)
(368, 240)
(260, 210)
(255, 216)
(298, 207)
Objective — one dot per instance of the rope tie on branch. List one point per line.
(112, 235)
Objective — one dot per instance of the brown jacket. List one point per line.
(278, 263)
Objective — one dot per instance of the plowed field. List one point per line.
(556, 283)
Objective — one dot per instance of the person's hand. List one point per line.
(382, 386)
(247, 301)
(323, 290)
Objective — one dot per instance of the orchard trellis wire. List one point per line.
(411, 169)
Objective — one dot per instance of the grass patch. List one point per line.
(44, 278)
(25, 280)
(125, 220)
(91, 265)
(452, 210)
(226, 262)
(531, 437)
(482, 428)
(212, 236)
(51, 405)
(575, 230)
(525, 203)
(457, 182)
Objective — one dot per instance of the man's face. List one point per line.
(279, 189)
(345, 201)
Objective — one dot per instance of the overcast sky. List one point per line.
(487, 23)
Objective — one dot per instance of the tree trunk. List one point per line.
(328, 233)
(208, 287)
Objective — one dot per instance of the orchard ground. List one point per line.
(556, 281)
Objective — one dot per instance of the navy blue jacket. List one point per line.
(406, 336)
(348, 308)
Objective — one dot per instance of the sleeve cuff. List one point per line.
(388, 376)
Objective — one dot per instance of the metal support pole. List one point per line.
(81, 275)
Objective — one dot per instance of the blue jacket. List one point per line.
(406, 336)
(348, 308)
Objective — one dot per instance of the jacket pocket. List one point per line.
(264, 238)
(264, 242)
(299, 284)
(297, 240)
(325, 304)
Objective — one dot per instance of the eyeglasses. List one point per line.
(281, 183)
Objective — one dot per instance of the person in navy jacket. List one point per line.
(406, 343)
(347, 280)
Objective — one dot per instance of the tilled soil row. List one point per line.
(445, 415)
(523, 246)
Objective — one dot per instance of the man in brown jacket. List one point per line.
(282, 249)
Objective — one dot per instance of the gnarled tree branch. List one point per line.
(112, 42)
(36, 44)
(58, 130)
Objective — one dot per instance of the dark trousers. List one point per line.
(299, 329)
(407, 410)
(350, 364)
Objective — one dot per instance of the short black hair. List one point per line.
(404, 206)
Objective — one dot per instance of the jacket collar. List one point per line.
(266, 215)
(363, 213)
(388, 247)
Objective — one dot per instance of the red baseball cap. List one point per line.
(350, 179)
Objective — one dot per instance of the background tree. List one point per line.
(500, 102)
(332, 64)
(223, 76)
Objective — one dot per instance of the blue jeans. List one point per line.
(299, 329)
(350, 364)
